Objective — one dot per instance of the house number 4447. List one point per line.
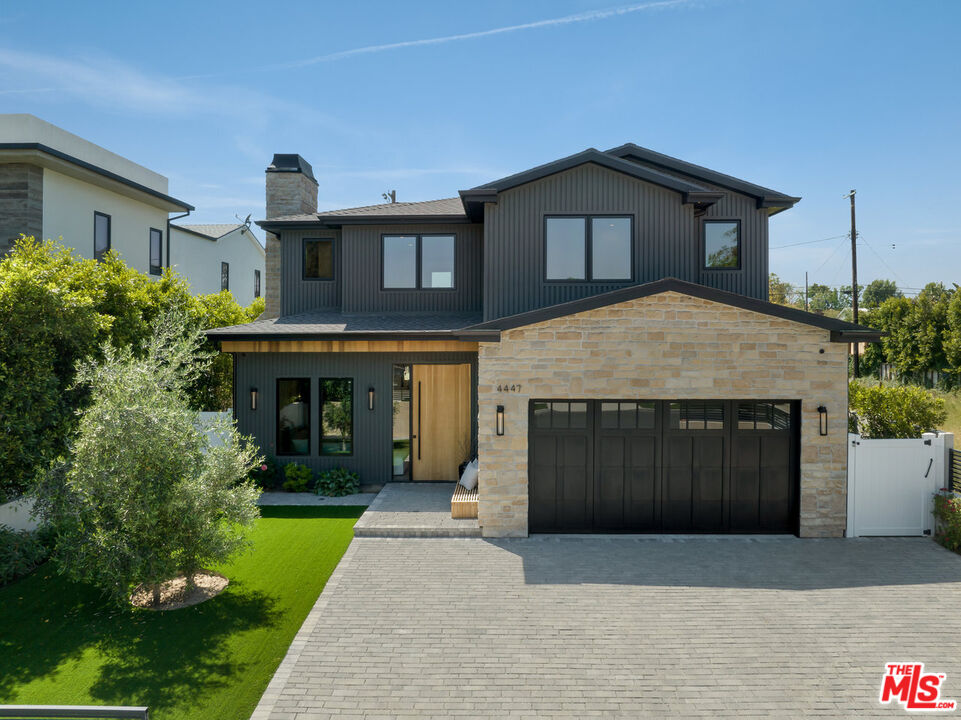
(508, 388)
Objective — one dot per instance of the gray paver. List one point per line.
(581, 627)
(414, 510)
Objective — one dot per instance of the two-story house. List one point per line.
(595, 329)
(56, 185)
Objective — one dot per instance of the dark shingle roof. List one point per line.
(446, 206)
(340, 324)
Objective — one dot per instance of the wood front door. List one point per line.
(440, 397)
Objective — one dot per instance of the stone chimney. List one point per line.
(291, 190)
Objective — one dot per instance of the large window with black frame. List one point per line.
(293, 416)
(336, 416)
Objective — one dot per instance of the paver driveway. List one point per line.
(582, 627)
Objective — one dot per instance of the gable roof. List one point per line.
(691, 192)
(765, 197)
(840, 330)
(213, 231)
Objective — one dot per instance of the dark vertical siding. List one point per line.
(667, 240)
(362, 271)
(298, 295)
(372, 430)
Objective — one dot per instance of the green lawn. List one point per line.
(60, 643)
(952, 404)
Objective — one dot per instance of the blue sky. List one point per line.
(811, 98)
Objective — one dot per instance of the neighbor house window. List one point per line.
(336, 416)
(318, 259)
(722, 244)
(156, 251)
(418, 261)
(293, 416)
(101, 235)
(588, 248)
(256, 283)
(224, 276)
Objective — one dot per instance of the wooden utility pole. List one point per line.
(854, 280)
(805, 289)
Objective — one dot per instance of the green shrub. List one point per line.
(56, 309)
(947, 513)
(298, 477)
(893, 411)
(265, 474)
(338, 482)
(21, 552)
(143, 496)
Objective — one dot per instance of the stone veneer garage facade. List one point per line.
(668, 345)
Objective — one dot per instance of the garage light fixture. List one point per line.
(253, 398)
(370, 398)
(499, 424)
(822, 420)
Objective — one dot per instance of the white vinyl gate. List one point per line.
(891, 484)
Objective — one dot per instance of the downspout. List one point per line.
(169, 220)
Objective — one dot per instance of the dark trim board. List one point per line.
(840, 330)
(96, 169)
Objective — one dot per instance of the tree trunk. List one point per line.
(156, 594)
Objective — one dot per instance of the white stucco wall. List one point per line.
(68, 208)
(198, 259)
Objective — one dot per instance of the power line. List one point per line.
(878, 256)
(840, 245)
(808, 242)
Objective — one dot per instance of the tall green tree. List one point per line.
(780, 291)
(877, 291)
(822, 298)
(144, 496)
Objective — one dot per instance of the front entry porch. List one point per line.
(414, 510)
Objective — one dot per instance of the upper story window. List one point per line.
(318, 259)
(224, 276)
(722, 244)
(256, 283)
(101, 235)
(588, 248)
(156, 251)
(413, 262)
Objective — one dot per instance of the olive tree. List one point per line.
(143, 495)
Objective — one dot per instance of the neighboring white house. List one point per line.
(56, 185)
(219, 257)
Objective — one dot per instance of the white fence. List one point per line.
(891, 484)
(209, 418)
(16, 514)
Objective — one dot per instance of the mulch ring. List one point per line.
(174, 594)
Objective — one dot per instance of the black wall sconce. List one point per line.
(253, 398)
(370, 398)
(499, 423)
(822, 420)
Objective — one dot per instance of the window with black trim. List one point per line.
(696, 415)
(256, 283)
(293, 416)
(318, 259)
(722, 244)
(156, 251)
(336, 416)
(412, 262)
(224, 276)
(101, 235)
(764, 416)
(591, 248)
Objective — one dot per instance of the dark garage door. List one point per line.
(682, 466)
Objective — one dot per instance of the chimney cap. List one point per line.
(291, 162)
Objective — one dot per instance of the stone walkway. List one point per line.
(414, 510)
(286, 498)
(586, 627)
